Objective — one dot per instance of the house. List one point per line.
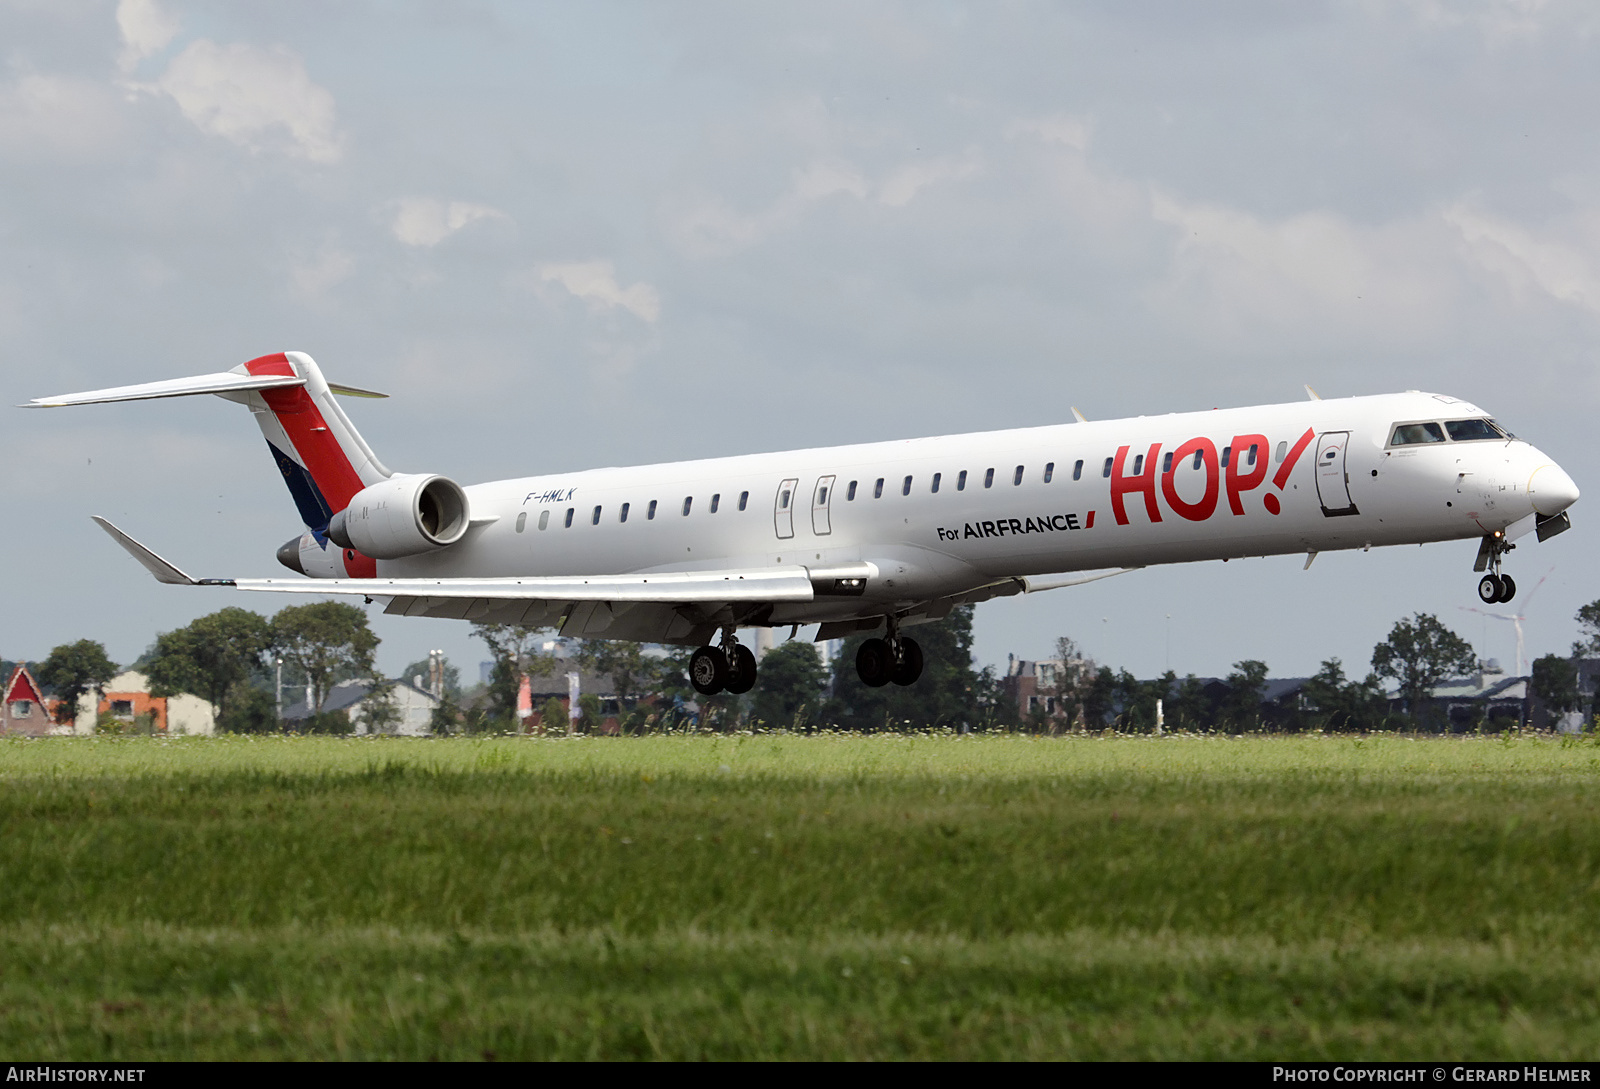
(126, 697)
(354, 699)
(23, 710)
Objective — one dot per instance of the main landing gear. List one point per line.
(896, 659)
(727, 668)
(1494, 588)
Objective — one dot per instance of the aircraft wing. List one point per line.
(768, 584)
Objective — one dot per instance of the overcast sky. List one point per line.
(569, 235)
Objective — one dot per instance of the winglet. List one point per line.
(1313, 394)
(1079, 415)
(160, 568)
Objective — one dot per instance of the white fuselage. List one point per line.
(1309, 476)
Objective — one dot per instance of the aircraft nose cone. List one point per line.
(1551, 490)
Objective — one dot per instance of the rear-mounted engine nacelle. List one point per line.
(403, 516)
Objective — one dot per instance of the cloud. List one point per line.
(596, 283)
(146, 30)
(59, 114)
(1513, 253)
(1243, 275)
(313, 275)
(1072, 131)
(260, 99)
(902, 185)
(715, 228)
(424, 221)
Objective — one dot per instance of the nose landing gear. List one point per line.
(1494, 588)
(726, 668)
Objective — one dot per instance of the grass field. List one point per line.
(791, 897)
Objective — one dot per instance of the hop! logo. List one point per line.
(1240, 468)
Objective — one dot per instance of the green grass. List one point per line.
(786, 897)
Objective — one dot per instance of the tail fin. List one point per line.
(323, 458)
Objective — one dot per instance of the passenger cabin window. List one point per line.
(850, 493)
(1138, 465)
(1253, 448)
(1199, 458)
(936, 478)
(905, 489)
(688, 501)
(544, 519)
(716, 501)
(597, 516)
(1077, 470)
(1166, 463)
(988, 479)
(569, 517)
(1277, 455)
(622, 515)
(1049, 471)
(744, 497)
(822, 499)
(961, 481)
(1016, 481)
(650, 513)
(1415, 434)
(877, 489)
(1107, 470)
(1227, 451)
(1473, 430)
(522, 521)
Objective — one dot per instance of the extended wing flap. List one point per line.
(666, 588)
(225, 382)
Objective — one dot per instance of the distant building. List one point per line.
(127, 698)
(23, 709)
(352, 699)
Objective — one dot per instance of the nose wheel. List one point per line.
(1494, 588)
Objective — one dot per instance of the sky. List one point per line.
(567, 235)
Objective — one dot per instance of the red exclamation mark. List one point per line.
(1281, 477)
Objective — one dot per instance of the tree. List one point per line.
(1588, 619)
(328, 642)
(212, 658)
(1338, 704)
(1419, 654)
(789, 685)
(1555, 680)
(1241, 707)
(515, 648)
(1073, 680)
(624, 661)
(73, 670)
(380, 712)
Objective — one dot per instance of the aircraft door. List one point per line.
(783, 508)
(821, 496)
(1333, 479)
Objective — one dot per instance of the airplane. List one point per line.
(876, 537)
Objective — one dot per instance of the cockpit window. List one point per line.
(1412, 434)
(1473, 430)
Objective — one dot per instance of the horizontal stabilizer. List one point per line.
(226, 382)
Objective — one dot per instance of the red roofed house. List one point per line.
(23, 710)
